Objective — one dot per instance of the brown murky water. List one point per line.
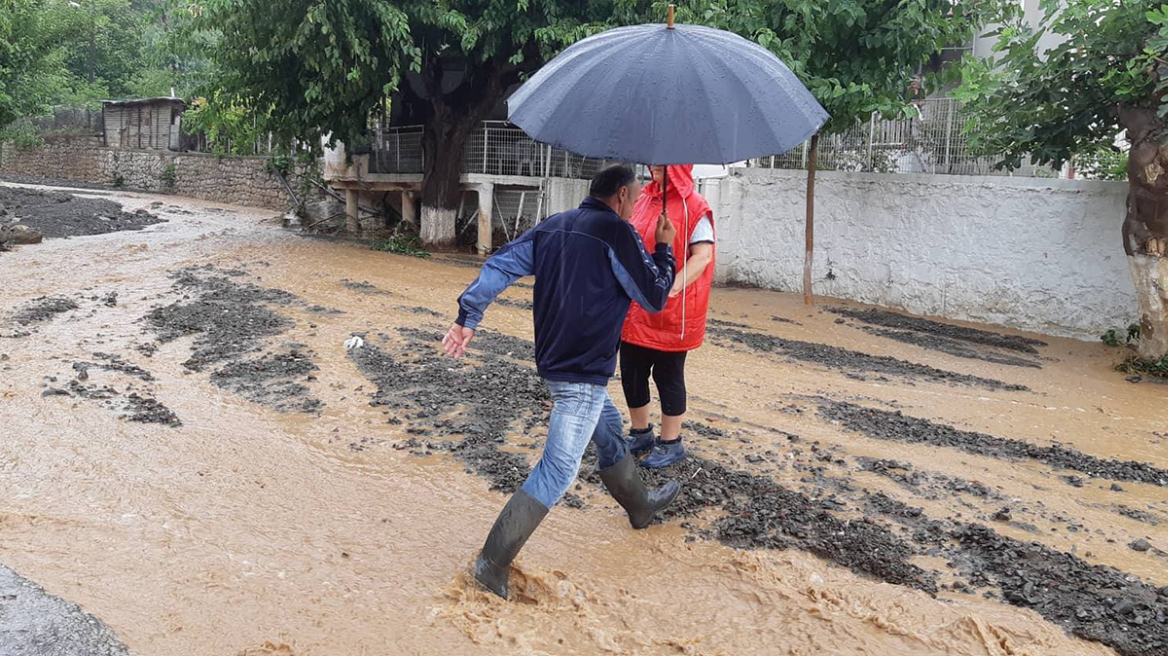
(249, 531)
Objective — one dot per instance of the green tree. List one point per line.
(323, 67)
(29, 61)
(1109, 74)
(231, 127)
(858, 57)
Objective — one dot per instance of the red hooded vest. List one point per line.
(677, 327)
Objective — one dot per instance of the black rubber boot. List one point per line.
(515, 523)
(625, 485)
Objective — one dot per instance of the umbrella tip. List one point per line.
(669, 16)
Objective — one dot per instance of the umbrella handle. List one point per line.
(684, 263)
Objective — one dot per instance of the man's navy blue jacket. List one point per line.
(588, 265)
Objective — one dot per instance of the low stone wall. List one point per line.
(235, 180)
(1030, 253)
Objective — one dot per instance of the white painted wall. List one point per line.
(1029, 253)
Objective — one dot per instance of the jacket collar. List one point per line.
(590, 203)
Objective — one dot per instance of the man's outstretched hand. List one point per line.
(456, 340)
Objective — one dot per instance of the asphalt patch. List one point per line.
(364, 287)
(273, 380)
(36, 623)
(854, 364)
(888, 319)
(419, 385)
(42, 309)
(1093, 602)
(895, 426)
(929, 484)
(951, 347)
(233, 323)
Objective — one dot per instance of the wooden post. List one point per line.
(669, 16)
(486, 194)
(352, 223)
(812, 162)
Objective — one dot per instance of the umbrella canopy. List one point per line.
(667, 95)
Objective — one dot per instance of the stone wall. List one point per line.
(1036, 254)
(235, 180)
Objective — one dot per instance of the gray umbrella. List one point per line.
(657, 94)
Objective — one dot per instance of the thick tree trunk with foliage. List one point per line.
(1145, 228)
(449, 118)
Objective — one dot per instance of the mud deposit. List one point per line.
(132, 404)
(58, 214)
(414, 382)
(233, 322)
(1091, 601)
(899, 427)
(495, 393)
(761, 514)
(951, 347)
(888, 319)
(42, 309)
(364, 287)
(852, 363)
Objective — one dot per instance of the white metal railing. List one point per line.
(931, 142)
(493, 148)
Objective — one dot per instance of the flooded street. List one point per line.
(190, 453)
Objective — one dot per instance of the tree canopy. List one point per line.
(323, 66)
(856, 56)
(1050, 106)
(76, 52)
(28, 59)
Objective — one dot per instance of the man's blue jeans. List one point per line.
(581, 413)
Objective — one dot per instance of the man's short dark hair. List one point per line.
(610, 180)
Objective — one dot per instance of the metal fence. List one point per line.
(65, 120)
(931, 142)
(500, 148)
(493, 148)
(396, 149)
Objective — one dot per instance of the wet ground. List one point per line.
(198, 461)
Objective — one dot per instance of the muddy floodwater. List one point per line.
(189, 453)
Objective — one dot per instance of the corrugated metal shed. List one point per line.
(147, 123)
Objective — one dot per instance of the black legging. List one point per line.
(667, 368)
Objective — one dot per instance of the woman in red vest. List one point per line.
(655, 345)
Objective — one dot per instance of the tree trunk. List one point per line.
(1145, 227)
(812, 163)
(442, 147)
(451, 116)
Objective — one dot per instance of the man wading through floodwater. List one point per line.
(589, 264)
